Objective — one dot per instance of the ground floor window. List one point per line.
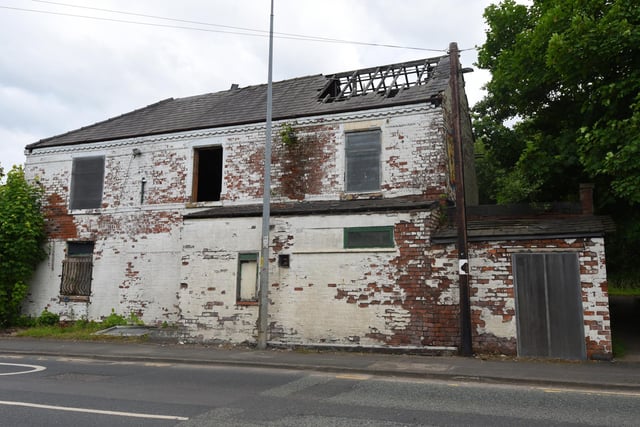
(368, 237)
(247, 277)
(77, 269)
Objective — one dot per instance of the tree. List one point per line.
(563, 107)
(567, 73)
(22, 235)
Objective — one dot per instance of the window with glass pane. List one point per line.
(368, 237)
(363, 161)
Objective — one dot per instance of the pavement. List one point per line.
(599, 375)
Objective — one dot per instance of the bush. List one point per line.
(25, 322)
(47, 318)
(113, 320)
(22, 236)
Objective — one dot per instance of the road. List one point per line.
(49, 391)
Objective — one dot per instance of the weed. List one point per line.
(619, 349)
(113, 319)
(47, 318)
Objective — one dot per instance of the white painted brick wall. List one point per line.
(140, 248)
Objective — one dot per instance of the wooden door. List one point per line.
(549, 305)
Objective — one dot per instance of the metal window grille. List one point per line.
(76, 276)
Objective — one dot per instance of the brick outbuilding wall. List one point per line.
(493, 296)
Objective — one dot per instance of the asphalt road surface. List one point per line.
(50, 391)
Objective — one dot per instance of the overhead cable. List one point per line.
(229, 29)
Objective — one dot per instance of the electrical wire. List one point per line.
(229, 29)
(287, 35)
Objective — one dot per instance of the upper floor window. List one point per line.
(362, 161)
(87, 178)
(207, 174)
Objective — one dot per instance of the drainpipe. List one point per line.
(461, 210)
(263, 304)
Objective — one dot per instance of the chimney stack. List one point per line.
(586, 198)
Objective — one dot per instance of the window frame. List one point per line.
(247, 257)
(196, 184)
(76, 202)
(362, 185)
(83, 260)
(388, 229)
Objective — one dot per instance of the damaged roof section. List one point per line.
(414, 82)
(385, 80)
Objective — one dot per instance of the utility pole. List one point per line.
(461, 208)
(263, 320)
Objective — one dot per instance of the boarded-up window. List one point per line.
(362, 161)
(207, 174)
(248, 277)
(368, 237)
(77, 269)
(87, 178)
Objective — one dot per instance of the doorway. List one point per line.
(549, 305)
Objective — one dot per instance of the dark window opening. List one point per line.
(87, 178)
(368, 237)
(77, 269)
(362, 161)
(207, 182)
(284, 260)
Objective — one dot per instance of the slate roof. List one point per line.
(528, 228)
(320, 207)
(298, 97)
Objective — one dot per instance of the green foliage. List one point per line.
(81, 329)
(133, 319)
(115, 319)
(619, 350)
(22, 236)
(25, 322)
(563, 107)
(47, 318)
(288, 134)
(566, 75)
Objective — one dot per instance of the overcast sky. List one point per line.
(61, 72)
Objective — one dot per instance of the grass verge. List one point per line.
(624, 286)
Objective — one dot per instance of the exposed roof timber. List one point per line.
(381, 79)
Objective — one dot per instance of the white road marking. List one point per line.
(590, 392)
(94, 411)
(358, 377)
(32, 368)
